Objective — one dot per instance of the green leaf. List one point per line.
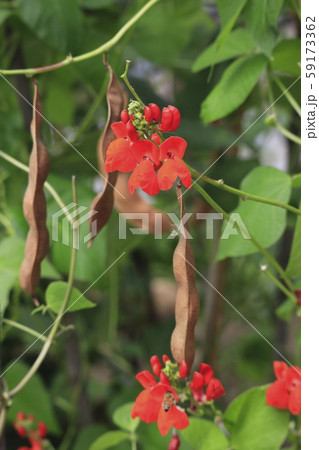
(253, 424)
(286, 310)
(96, 4)
(229, 10)
(204, 435)
(261, 20)
(87, 436)
(4, 14)
(236, 84)
(237, 43)
(294, 264)
(109, 439)
(266, 223)
(296, 180)
(11, 255)
(58, 22)
(33, 399)
(286, 57)
(54, 296)
(122, 418)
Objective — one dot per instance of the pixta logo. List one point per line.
(61, 224)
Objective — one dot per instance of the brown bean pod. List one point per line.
(34, 204)
(187, 300)
(102, 204)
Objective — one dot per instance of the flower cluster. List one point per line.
(140, 147)
(165, 400)
(26, 428)
(285, 392)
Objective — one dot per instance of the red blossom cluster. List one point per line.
(285, 392)
(164, 401)
(140, 147)
(25, 427)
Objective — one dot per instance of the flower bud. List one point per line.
(174, 444)
(156, 112)
(155, 137)
(42, 428)
(164, 378)
(166, 120)
(165, 358)
(156, 365)
(124, 116)
(176, 118)
(20, 416)
(148, 114)
(183, 370)
(20, 429)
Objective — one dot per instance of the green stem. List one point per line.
(98, 51)
(49, 340)
(48, 186)
(287, 94)
(21, 327)
(292, 137)
(133, 440)
(244, 195)
(128, 84)
(279, 284)
(264, 252)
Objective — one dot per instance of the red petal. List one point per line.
(174, 417)
(146, 148)
(277, 395)
(119, 157)
(281, 369)
(294, 403)
(146, 379)
(183, 172)
(198, 381)
(164, 379)
(207, 372)
(167, 175)
(174, 145)
(176, 118)
(119, 129)
(146, 407)
(214, 390)
(183, 369)
(144, 176)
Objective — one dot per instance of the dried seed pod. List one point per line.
(187, 300)
(34, 204)
(102, 204)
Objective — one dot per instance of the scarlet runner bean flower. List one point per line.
(140, 148)
(25, 427)
(159, 401)
(285, 392)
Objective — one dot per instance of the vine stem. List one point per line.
(21, 327)
(261, 249)
(275, 280)
(244, 195)
(75, 59)
(46, 347)
(287, 94)
(47, 185)
(128, 84)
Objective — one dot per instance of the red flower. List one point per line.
(157, 403)
(175, 442)
(172, 151)
(285, 393)
(144, 176)
(214, 390)
(118, 154)
(183, 369)
(205, 377)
